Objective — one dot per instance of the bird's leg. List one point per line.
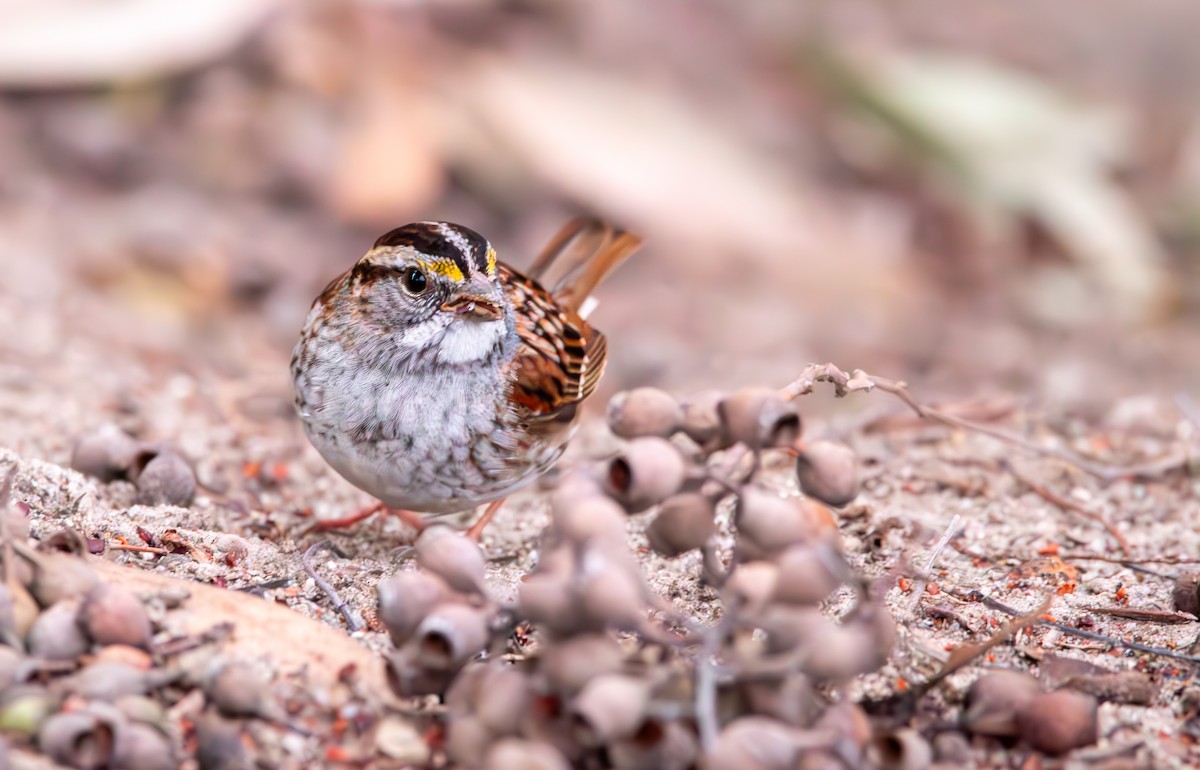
(410, 518)
(476, 530)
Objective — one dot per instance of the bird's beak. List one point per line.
(478, 303)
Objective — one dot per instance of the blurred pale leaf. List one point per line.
(390, 165)
(57, 43)
(639, 154)
(1013, 146)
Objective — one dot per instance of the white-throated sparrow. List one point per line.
(437, 378)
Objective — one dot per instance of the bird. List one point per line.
(439, 379)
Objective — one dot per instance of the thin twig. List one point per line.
(923, 577)
(114, 546)
(5, 501)
(707, 721)
(861, 381)
(990, 603)
(1070, 505)
(353, 621)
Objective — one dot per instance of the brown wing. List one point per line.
(560, 359)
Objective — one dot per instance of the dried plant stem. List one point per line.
(113, 546)
(5, 501)
(353, 621)
(1074, 507)
(990, 603)
(707, 721)
(861, 381)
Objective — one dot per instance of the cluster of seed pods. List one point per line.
(82, 682)
(616, 677)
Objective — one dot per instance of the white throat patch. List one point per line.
(468, 340)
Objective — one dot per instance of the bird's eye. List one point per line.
(414, 281)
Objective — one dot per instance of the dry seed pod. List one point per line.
(467, 741)
(398, 739)
(1186, 593)
(23, 708)
(767, 523)
(141, 747)
(114, 615)
(701, 421)
(496, 693)
(657, 745)
(750, 586)
(857, 646)
(449, 636)
(753, 743)
(219, 744)
(994, 700)
(56, 635)
(903, 749)
(610, 708)
(164, 478)
(646, 472)
(570, 664)
(828, 472)
(760, 418)
(547, 598)
(788, 627)
(453, 557)
(108, 681)
(609, 595)
(25, 610)
(804, 576)
(517, 754)
(684, 522)
(595, 517)
(238, 689)
(59, 576)
(791, 700)
(644, 412)
(77, 739)
(1056, 722)
(849, 723)
(144, 709)
(407, 678)
(404, 599)
(952, 748)
(107, 453)
(11, 663)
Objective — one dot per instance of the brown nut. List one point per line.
(114, 615)
(164, 478)
(804, 574)
(838, 652)
(903, 749)
(570, 664)
(56, 635)
(701, 420)
(142, 747)
(517, 754)
(449, 636)
(106, 453)
(1056, 722)
(644, 412)
(828, 472)
(453, 557)
(219, 744)
(497, 694)
(994, 700)
(108, 681)
(767, 523)
(404, 599)
(609, 708)
(647, 471)
(77, 739)
(760, 418)
(684, 522)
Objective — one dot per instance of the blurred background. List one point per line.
(984, 198)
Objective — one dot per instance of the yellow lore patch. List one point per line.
(443, 267)
(491, 261)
